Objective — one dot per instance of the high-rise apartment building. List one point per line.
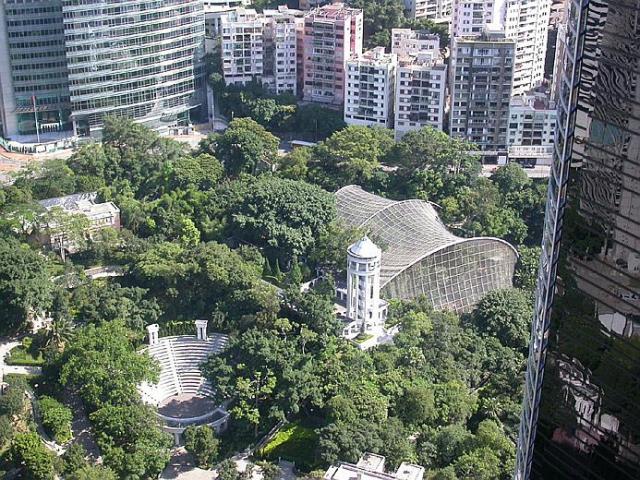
(437, 10)
(33, 68)
(67, 64)
(532, 127)
(332, 35)
(214, 10)
(262, 47)
(580, 412)
(480, 75)
(420, 81)
(405, 41)
(370, 86)
(242, 46)
(282, 44)
(525, 21)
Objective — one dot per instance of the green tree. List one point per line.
(27, 452)
(243, 146)
(416, 406)
(93, 472)
(12, 402)
(202, 172)
(74, 458)
(201, 442)
(433, 165)
(68, 231)
(24, 284)
(350, 156)
(480, 464)
(526, 272)
(59, 334)
(285, 216)
(227, 470)
(56, 418)
(103, 366)
(131, 440)
(505, 314)
(295, 164)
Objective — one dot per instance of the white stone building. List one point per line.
(370, 85)
(371, 467)
(366, 312)
(421, 78)
(525, 21)
(242, 46)
(437, 10)
(532, 124)
(480, 74)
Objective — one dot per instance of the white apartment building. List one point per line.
(372, 467)
(420, 93)
(263, 47)
(480, 75)
(532, 124)
(421, 78)
(437, 10)
(214, 10)
(525, 21)
(282, 49)
(242, 46)
(405, 41)
(370, 85)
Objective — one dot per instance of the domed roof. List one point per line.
(364, 248)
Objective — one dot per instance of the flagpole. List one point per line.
(35, 114)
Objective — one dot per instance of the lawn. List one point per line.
(21, 356)
(362, 337)
(294, 443)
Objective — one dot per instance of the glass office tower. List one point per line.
(581, 411)
(140, 59)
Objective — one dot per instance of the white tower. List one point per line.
(364, 307)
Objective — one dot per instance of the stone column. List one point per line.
(153, 333)
(201, 329)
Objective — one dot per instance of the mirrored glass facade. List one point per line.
(581, 411)
(140, 59)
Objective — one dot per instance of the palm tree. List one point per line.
(59, 334)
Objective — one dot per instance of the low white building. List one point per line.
(532, 125)
(99, 216)
(369, 90)
(371, 467)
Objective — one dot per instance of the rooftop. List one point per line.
(371, 467)
(81, 203)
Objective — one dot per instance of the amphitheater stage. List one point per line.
(187, 406)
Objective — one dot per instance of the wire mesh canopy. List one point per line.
(421, 257)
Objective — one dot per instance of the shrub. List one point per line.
(28, 452)
(56, 418)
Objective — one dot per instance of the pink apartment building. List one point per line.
(332, 35)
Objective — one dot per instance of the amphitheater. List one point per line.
(182, 395)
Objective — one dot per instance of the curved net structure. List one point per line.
(421, 257)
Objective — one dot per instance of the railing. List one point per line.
(42, 147)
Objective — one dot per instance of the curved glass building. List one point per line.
(421, 257)
(138, 58)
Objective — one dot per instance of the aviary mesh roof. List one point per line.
(421, 257)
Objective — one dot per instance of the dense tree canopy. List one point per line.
(25, 287)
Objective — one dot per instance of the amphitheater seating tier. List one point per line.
(180, 359)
